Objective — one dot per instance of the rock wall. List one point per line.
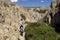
(10, 21)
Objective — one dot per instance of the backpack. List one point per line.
(21, 28)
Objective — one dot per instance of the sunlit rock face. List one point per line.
(10, 20)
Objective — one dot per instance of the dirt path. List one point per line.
(23, 37)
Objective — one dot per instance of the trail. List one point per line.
(23, 37)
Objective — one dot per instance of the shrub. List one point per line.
(23, 17)
(40, 31)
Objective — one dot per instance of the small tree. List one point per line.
(37, 31)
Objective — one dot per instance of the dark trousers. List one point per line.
(21, 33)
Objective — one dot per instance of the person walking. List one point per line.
(21, 30)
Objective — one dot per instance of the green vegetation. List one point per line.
(40, 31)
(58, 38)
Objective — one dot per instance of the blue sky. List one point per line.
(33, 3)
